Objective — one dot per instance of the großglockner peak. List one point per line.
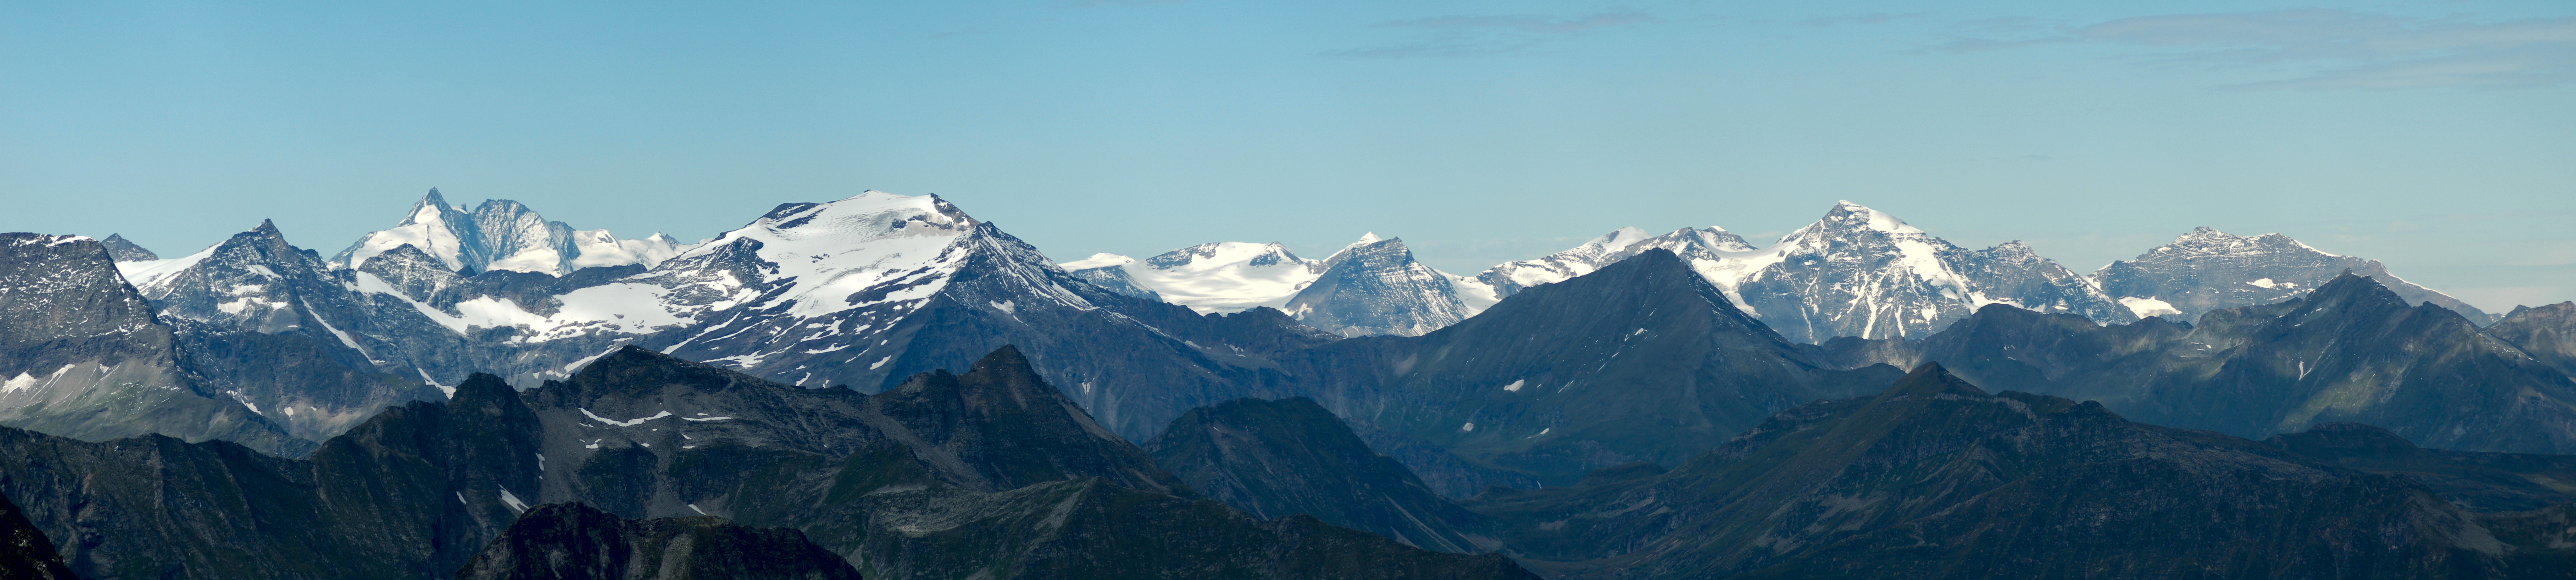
(1374, 286)
(501, 234)
(2209, 270)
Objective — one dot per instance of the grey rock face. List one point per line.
(1376, 287)
(126, 251)
(2210, 270)
(2547, 333)
(579, 542)
(273, 326)
(81, 355)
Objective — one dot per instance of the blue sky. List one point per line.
(2439, 137)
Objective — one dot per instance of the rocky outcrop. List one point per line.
(2547, 333)
(82, 355)
(1375, 287)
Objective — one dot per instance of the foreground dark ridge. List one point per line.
(1935, 478)
(991, 472)
(1643, 360)
(578, 542)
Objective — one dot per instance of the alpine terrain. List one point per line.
(2209, 270)
(1856, 272)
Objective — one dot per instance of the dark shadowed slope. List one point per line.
(991, 472)
(26, 553)
(1290, 456)
(2477, 481)
(578, 542)
(1934, 478)
(1642, 360)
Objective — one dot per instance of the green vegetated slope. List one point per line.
(1935, 478)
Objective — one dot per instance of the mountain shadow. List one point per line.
(991, 472)
(1642, 360)
(1935, 478)
(1279, 458)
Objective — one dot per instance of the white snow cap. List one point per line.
(1100, 260)
(1877, 220)
(837, 249)
(1368, 238)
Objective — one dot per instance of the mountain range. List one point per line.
(1359, 410)
(1855, 272)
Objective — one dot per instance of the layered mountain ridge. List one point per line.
(1936, 478)
(988, 473)
(2351, 350)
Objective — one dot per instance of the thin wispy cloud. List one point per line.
(1871, 18)
(1489, 35)
(2317, 49)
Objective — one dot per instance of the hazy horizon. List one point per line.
(2432, 136)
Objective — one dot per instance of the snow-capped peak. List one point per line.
(502, 234)
(1368, 238)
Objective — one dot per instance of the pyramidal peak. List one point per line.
(502, 234)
